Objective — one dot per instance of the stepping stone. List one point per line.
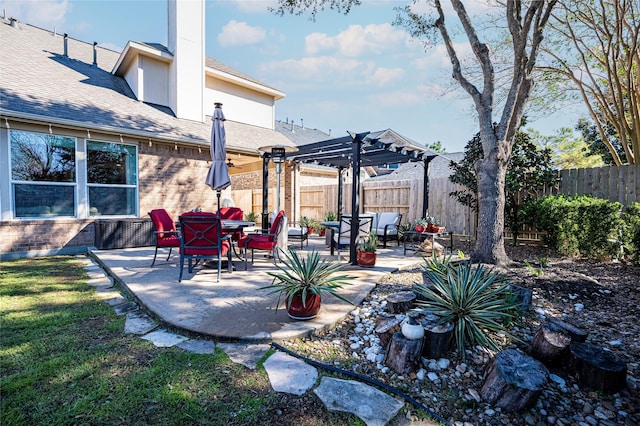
(374, 407)
(137, 322)
(245, 354)
(116, 300)
(164, 338)
(197, 346)
(108, 293)
(98, 273)
(125, 308)
(102, 282)
(289, 374)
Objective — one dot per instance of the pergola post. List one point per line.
(425, 187)
(355, 196)
(339, 209)
(265, 191)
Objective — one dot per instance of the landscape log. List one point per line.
(403, 354)
(400, 302)
(385, 327)
(513, 381)
(550, 345)
(437, 340)
(596, 368)
(577, 334)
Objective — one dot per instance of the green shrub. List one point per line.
(476, 301)
(631, 233)
(578, 225)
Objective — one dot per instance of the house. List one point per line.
(90, 137)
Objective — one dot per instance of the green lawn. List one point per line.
(64, 359)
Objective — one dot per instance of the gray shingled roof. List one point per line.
(438, 167)
(38, 81)
(300, 135)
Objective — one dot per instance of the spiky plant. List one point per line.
(473, 299)
(303, 275)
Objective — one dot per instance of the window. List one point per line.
(43, 174)
(112, 178)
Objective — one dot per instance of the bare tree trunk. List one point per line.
(491, 200)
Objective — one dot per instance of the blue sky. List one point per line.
(339, 73)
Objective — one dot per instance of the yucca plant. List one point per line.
(306, 275)
(473, 299)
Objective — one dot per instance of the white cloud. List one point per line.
(240, 34)
(42, 13)
(357, 40)
(315, 70)
(384, 76)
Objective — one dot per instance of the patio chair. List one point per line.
(164, 228)
(202, 239)
(386, 227)
(268, 241)
(299, 232)
(232, 213)
(342, 238)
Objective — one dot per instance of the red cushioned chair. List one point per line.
(164, 228)
(268, 241)
(232, 213)
(202, 238)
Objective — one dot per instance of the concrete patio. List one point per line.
(234, 309)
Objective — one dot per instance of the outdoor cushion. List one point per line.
(390, 220)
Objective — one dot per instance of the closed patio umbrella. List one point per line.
(218, 176)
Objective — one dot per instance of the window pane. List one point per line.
(44, 200)
(112, 201)
(42, 158)
(111, 163)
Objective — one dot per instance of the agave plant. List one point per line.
(473, 299)
(306, 275)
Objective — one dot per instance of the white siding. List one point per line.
(239, 103)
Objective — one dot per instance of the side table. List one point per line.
(410, 235)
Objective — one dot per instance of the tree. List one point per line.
(529, 169)
(591, 136)
(526, 21)
(568, 151)
(437, 147)
(593, 46)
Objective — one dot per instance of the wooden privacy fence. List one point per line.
(617, 184)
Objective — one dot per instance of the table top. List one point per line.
(229, 224)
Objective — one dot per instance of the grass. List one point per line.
(64, 359)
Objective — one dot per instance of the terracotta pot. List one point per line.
(299, 311)
(419, 228)
(366, 258)
(430, 227)
(323, 232)
(309, 230)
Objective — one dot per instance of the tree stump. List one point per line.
(400, 302)
(437, 339)
(576, 334)
(596, 368)
(550, 345)
(385, 327)
(513, 381)
(403, 354)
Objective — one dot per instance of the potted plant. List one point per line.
(251, 217)
(301, 282)
(307, 222)
(431, 221)
(328, 217)
(366, 253)
(420, 225)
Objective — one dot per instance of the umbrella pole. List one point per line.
(218, 194)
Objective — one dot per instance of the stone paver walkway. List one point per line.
(286, 373)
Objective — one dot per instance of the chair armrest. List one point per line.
(167, 232)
